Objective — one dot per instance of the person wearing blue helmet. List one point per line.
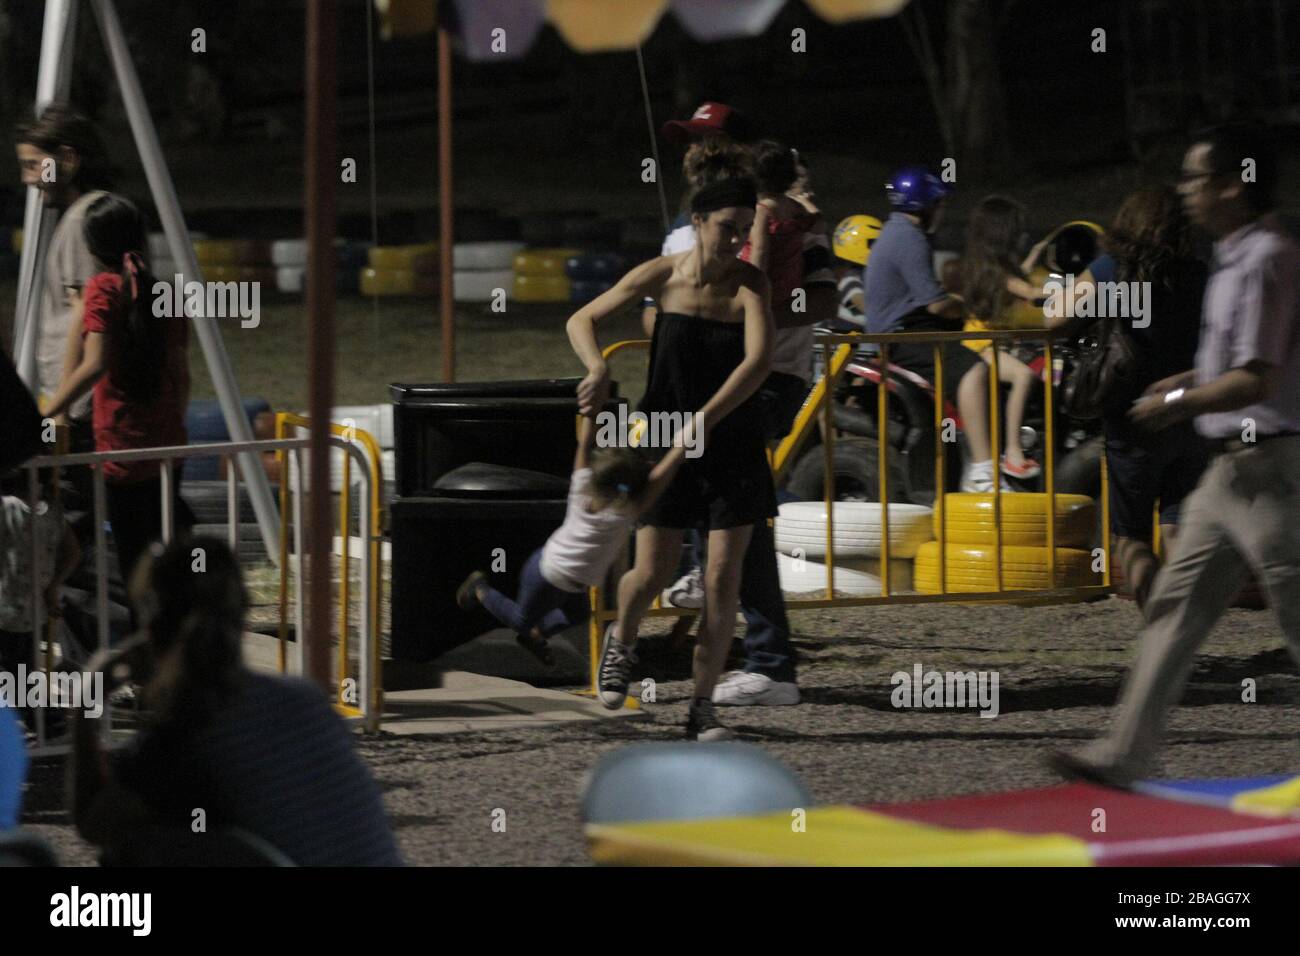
(902, 294)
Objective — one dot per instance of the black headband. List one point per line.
(724, 194)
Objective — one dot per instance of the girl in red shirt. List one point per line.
(137, 364)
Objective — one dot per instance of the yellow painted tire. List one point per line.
(969, 520)
(528, 288)
(217, 252)
(542, 262)
(970, 568)
(234, 273)
(422, 257)
(383, 282)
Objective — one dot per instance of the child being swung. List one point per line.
(610, 489)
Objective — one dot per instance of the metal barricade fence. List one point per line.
(368, 700)
(819, 405)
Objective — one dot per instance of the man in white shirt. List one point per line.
(62, 155)
(1244, 395)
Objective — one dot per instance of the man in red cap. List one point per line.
(709, 118)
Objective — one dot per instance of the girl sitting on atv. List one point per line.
(993, 282)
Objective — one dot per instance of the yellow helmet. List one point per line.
(854, 236)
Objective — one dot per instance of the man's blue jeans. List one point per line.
(767, 630)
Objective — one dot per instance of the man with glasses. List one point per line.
(1244, 396)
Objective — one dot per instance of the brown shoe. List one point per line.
(1073, 767)
(467, 594)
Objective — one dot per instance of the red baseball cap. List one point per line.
(708, 118)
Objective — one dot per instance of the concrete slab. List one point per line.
(462, 702)
(476, 703)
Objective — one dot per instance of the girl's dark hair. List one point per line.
(60, 125)
(992, 237)
(713, 158)
(190, 594)
(1149, 233)
(113, 228)
(619, 472)
(776, 166)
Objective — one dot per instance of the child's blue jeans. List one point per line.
(539, 603)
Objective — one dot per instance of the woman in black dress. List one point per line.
(711, 350)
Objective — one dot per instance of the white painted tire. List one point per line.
(375, 419)
(289, 278)
(286, 253)
(485, 256)
(481, 286)
(802, 524)
(808, 578)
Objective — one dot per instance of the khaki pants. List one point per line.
(1243, 516)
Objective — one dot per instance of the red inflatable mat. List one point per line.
(1139, 830)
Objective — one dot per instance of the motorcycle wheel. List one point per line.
(856, 476)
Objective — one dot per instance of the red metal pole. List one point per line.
(447, 294)
(319, 201)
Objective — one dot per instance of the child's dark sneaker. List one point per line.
(702, 724)
(616, 661)
(467, 593)
(535, 643)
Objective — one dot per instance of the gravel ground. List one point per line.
(1059, 670)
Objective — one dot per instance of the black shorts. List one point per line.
(729, 486)
(1145, 467)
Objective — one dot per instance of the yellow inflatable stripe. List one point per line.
(834, 836)
(1281, 799)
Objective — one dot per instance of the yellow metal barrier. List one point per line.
(821, 401)
(283, 422)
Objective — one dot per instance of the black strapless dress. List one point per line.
(730, 484)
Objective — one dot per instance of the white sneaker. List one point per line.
(983, 484)
(741, 689)
(687, 592)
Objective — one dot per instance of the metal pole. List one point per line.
(319, 201)
(53, 80)
(178, 243)
(447, 296)
(654, 142)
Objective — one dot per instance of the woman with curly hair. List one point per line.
(1149, 243)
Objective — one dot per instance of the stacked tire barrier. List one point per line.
(972, 536)
(289, 257)
(235, 260)
(801, 537)
(484, 271)
(592, 273)
(539, 275)
(410, 270)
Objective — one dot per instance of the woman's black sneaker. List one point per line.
(702, 723)
(616, 661)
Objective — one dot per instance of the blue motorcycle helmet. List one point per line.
(914, 189)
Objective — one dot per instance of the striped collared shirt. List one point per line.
(1252, 313)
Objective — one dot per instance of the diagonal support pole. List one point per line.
(53, 80)
(178, 243)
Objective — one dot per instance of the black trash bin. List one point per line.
(437, 542)
(525, 424)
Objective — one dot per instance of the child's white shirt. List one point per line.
(579, 553)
